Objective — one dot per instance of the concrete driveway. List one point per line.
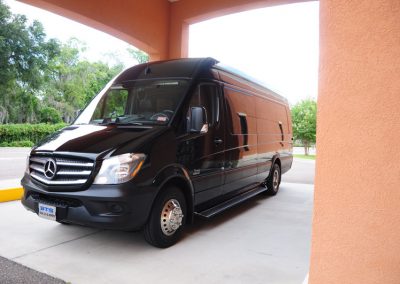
(265, 240)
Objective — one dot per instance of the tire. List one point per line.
(161, 230)
(274, 180)
(63, 223)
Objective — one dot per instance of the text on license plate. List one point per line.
(47, 211)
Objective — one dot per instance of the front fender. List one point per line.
(178, 175)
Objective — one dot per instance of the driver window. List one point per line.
(206, 95)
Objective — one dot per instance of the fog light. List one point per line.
(116, 208)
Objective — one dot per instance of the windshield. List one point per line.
(135, 102)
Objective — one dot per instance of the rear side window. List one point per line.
(241, 107)
(271, 117)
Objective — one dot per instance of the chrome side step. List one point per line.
(211, 212)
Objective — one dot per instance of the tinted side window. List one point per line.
(271, 117)
(241, 107)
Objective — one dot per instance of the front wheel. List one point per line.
(167, 218)
(274, 180)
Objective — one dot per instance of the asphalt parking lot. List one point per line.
(265, 240)
(12, 165)
(15, 273)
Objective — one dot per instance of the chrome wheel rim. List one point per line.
(275, 179)
(171, 217)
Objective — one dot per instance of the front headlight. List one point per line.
(119, 169)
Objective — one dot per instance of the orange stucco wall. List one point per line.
(144, 24)
(356, 225)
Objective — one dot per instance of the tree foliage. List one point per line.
(304, 120)
(139, 55)
(24, 57)
(73, 82)
(43, 80)
(50, 115)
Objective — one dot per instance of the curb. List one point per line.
(10, 194)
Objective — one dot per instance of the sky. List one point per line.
(276, 45)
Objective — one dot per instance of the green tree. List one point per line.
(50, 115)
(97, 74)
(139, 55)
(304, 119)
(74, 82)
(24, 57)
(42, 80)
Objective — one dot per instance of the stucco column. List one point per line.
(356, 225)
(178, 39)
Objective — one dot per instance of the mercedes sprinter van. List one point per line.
(162, 143)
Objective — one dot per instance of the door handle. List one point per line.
(217, 141)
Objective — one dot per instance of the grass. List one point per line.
(301, 156)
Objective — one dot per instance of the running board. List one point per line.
(211, 212)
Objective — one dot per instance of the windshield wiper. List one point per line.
(129, 122)
(120, 123)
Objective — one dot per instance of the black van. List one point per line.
(163, 142)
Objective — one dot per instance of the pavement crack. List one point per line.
(55, 245)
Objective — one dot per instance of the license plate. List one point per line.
(47, 211)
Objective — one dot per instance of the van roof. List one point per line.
(188, 68)
(176, 68)
(248, 78)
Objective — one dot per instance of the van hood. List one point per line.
(96, 139)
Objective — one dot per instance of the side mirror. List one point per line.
(198, 120)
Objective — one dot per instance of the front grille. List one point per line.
(67, 171)
(55, 201)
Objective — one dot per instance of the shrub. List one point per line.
(23, 143)
(50, 115)
(21, 134)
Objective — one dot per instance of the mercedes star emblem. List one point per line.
(50, 169)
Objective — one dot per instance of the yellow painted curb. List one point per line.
(11, 194)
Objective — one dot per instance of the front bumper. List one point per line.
(120, 207)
